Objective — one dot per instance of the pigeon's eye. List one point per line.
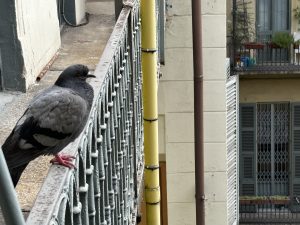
(78, 75)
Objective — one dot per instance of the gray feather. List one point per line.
(63, 114)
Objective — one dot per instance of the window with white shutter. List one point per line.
(232, 149)
(247, 163)
(295, 156)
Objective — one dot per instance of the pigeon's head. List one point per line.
(75, 72)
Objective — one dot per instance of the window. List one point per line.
(270, 150)
(272, 16)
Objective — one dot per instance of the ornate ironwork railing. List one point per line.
(267, 210)
(104, 188)
(265, 57)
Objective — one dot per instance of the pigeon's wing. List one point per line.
(59, 110)
(52, 120)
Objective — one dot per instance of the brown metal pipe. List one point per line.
(198, 110)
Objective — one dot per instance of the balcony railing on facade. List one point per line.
(268, 210)
(105, 186)
(258, 57)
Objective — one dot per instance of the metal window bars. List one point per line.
(104, 188)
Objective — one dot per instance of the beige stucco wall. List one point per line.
(39, 34)
(269, 90)
(295, 26)
(214, 54)
(176, 111)
(176, 129)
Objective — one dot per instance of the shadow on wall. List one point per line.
(11, 54)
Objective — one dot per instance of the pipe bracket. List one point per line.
(150, 120)
(149, 50)
(152, 167)
(152, 203)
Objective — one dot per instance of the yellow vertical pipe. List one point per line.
(149, 69)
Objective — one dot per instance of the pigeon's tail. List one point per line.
(16, 173)
(11, 153)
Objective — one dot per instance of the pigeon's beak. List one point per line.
(91, 75)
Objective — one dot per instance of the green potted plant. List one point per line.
(263, 200)
(281, 40)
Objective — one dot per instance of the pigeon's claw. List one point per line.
(64, 160)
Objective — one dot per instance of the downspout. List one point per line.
(149, 69)
(198, 110)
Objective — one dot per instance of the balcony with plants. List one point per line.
(261, 44)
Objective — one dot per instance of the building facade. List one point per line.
(261, 40)
(176, 111)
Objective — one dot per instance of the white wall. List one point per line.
(39, 34)
(80, 9)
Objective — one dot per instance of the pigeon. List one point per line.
(53, 119)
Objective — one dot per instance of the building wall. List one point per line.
(251, 8)
(295, 24)
(175, 95)
(177, 110)
(39, 34)
(269, 90)
(214, 75)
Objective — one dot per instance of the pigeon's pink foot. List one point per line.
(64, 160)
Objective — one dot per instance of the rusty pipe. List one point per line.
(198, 110)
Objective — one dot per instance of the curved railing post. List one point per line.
(8, 201)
